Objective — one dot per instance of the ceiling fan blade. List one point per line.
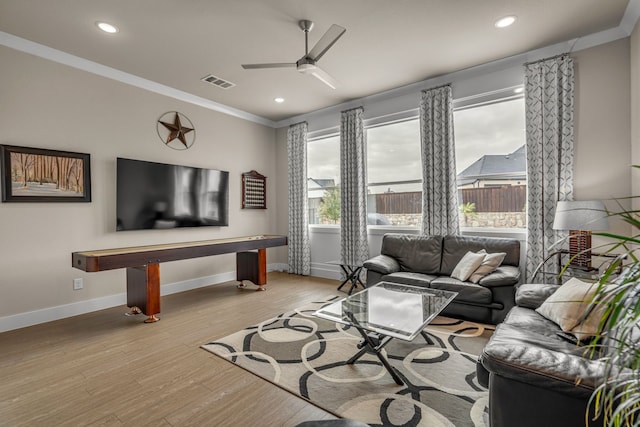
(325, 78)
(326, 41)
(270, 65)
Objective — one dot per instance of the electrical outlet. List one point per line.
(77, 284)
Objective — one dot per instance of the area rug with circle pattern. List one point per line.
(307, 356)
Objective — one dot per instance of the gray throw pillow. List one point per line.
(572, 307)
(467, 265)
(490, 263)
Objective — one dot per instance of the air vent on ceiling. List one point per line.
(217, 81)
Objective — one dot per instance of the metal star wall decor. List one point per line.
(173, 132)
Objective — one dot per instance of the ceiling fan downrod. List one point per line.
(306, 26)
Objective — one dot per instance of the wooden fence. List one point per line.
(496, 199)
(398, 203)
(487, 199)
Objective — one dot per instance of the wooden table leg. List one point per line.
(143, 290)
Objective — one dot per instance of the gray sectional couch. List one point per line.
(429, 261)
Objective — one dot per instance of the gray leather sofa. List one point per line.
(429, 261)
(531, 369)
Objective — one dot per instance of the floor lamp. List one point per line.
(580, 218)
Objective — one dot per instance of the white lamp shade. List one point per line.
(589, 215)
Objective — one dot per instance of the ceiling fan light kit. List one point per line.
(305, 67)
(307, 64)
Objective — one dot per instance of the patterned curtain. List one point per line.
(439, 188)
(549, 113)
(354, 248)
(299, 250)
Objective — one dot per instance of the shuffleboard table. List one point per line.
(143, 265)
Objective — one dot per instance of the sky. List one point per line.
(393, 151)
(491, 129)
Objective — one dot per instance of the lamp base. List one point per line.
(580, 249)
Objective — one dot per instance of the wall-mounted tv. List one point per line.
(157, 195)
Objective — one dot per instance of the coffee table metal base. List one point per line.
(373, 342)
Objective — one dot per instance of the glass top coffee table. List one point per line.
(386, 311)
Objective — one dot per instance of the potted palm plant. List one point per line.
(617, 400)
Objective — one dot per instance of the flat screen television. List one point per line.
(157, 195)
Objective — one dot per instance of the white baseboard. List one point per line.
(30, 318)
(326, 271)
(283, 268)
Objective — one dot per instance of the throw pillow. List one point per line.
(467, 265)
(571, 308)
(490, 263)
(588, 328)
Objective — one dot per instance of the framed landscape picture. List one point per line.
(40, 175)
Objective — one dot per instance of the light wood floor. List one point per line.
(104, 368)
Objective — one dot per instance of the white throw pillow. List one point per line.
(568, 306)
(467, 265)
(490, 263)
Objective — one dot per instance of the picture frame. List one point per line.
(43, 175)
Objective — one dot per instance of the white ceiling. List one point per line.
(388, 43)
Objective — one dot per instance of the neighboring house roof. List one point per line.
(318, 187)
(322, 183)
(466, 181)
(496, 166)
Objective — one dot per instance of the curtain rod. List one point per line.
(437, 87)
(299, 123)
(352, 109)
(561, 55)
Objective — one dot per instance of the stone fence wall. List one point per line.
(480, 219)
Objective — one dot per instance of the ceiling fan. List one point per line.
(307, 64)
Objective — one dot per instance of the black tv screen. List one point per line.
(157, 195)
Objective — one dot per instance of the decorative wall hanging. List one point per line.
(254, 190)
(39, 175)
(176, 130)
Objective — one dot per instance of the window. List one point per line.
(323, 179)
(394, 172)
(491, 164)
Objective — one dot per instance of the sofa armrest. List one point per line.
(532, 295)
(505, 275)
(382, 264)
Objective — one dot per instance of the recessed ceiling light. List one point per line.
(106, 27)
(279, 100)
(505, 22)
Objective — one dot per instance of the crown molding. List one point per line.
(42, 51)
(631, 16)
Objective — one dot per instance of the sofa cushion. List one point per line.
(467, 291)
(505, 275)
(454, 248)
(571, 308)
(420, 254)
(382, 264)
(532, 295)
(490, 263)
(527, 319)
(467, 265)
(409, 278)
